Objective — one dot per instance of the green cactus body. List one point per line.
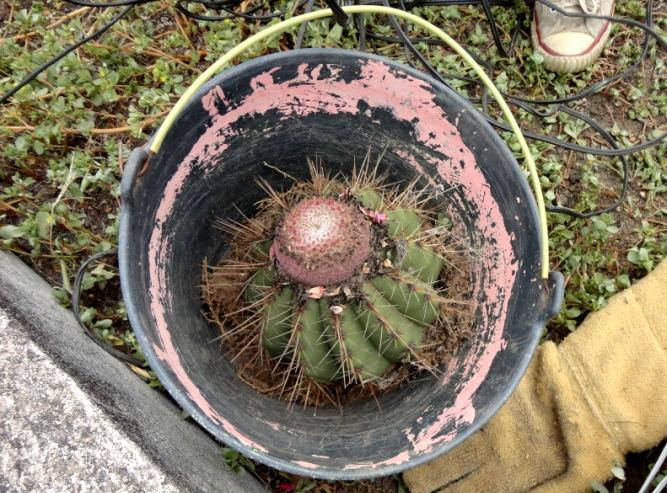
(259, 283)
(405, 333)
(277, 326)
(375, 331)
(403, 223)
(370, 198)
(313, 348)
(259, 251)
(358, 353)
(329, 330)
(423, 262)
(415, 305)
(380, 328)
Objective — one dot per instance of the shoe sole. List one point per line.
(569, 63)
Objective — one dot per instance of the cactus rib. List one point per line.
(403, 223)
(407, 335)
(423, 262)
(277, 325)
(362, 356)
(415, 305)
(313, 349)
(258, 284)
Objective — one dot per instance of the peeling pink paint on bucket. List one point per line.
(335, 105)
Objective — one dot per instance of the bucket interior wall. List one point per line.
(202, 174)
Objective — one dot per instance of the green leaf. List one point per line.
(618, 472)
(61, 295)
(231, 458)
(100, 271)
(21, 143)
(10, 232)
(335, 33)
(640, 257)
(104, 324)
(115, 341)
(305, 485)
(623, 280)
(44, 221)
(38, 147)
(88, 314)
(537, 57)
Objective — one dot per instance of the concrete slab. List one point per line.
(76, 419)
(53, 436)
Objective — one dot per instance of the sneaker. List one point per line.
(570, 44)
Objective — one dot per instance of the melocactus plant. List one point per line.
(333, 281)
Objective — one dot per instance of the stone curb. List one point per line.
(77, 419)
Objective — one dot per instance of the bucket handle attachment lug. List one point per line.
(555, 286)
(136, 166)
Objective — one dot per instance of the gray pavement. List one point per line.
(75, 419)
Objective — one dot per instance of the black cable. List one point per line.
(524, 103)
(303, 26)
(557, 209)
(76, 308)
(432, 42)
(515, 35)
(438, 3)
(227, 6)
(408, 46)
(495, 34)
(486, 6)
(623, 151)
(624, 163)
(115, 3)
(360, 24)
(649, 33)
(32, 75)
(338, 13)
(408, 43)
(445, 75)
(597, 86)
(593, 88)
(224, 5)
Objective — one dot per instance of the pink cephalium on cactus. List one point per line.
(322, 241)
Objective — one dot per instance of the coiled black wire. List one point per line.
(558, 104)
(527, 104)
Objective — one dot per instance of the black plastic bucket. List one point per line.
(334, 105)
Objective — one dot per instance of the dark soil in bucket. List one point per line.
(339, 288)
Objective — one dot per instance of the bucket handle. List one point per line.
(283, 26)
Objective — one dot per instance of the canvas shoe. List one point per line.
(570, 44)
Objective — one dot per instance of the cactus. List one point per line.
(258, 284)
(324, 241)
(340, 285)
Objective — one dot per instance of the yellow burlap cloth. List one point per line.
(580, 407)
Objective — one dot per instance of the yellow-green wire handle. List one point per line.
(375, 9)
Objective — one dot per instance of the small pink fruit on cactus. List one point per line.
(322, 242)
